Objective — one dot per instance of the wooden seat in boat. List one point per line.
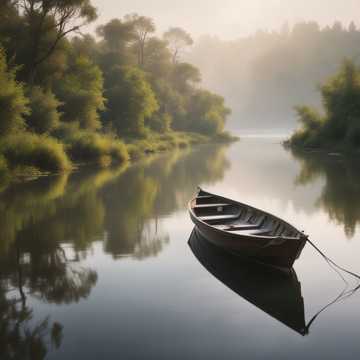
(210, 206)
(218, 217)
(257, 232)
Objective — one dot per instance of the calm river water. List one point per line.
(96, 264)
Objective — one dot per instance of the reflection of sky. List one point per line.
(265, 177)
(170, 307)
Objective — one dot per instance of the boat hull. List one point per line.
(279, 252)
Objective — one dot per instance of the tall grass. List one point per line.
(4, 172)
(86, 146)
(42, 152)
(154, 143)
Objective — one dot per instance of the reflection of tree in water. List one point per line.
(47, 226)
(19, 338)
(204, 165)
(341, 193)
(38, 219)
(138, 200)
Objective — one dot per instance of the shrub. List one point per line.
(103, 149)
(44, 115)
(41, 152)
(4, 173)
(160, 123)
(13, 103)
(131, 100)
(119, 151)
(225, 137)
(81, 93)
(65, 131)
(353, 135)
(3, 167)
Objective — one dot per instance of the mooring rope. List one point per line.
(331, 261)
(344, 294)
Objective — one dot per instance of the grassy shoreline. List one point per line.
(24, 158)
(325, 148)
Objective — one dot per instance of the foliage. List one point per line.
(160, 123)
(13, 104)
(178, 40)
(184, 76)
(130, 100)
(158, 59)
(104, 150)
(128, 82)
(42, 152)
(340, 125)
(81, 94)
(155, 142)
(142, 27)
(44, 116)
(58, 18)
(116, 35)
(208, 114)
(4, 172)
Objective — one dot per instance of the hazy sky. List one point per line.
(231, 18)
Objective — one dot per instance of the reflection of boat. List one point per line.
(245, 230)
(275, 292)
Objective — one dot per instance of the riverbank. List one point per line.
(27, 156)
(334, 128)
(329, 148)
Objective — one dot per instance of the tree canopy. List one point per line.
(338, 125)
(126, 84)
(178, 40)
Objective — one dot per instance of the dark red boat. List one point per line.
(246, 231)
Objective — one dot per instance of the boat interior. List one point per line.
(240, 219)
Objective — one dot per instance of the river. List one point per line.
(96, 264)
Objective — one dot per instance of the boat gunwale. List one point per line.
(303, 237)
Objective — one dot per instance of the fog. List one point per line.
(230, 19)
(264, 76)
(264, 56)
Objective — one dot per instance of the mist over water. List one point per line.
(265, 75)
(103, 262)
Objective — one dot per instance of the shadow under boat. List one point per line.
(275, 292)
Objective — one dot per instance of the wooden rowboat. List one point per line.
(246, 231)
(275, 292)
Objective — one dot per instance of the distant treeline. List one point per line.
(66, 96)
(265, 75)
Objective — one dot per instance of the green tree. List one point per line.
(13, 103)
(81, 94)
(130, 100)
(185, 76)
(207, 113)
(143, 26)
(86, 46)
(115, 49)
(44, 116)
(178, 40)
(60, 18)
(117, 35)
(341, 100)
(158, 59)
